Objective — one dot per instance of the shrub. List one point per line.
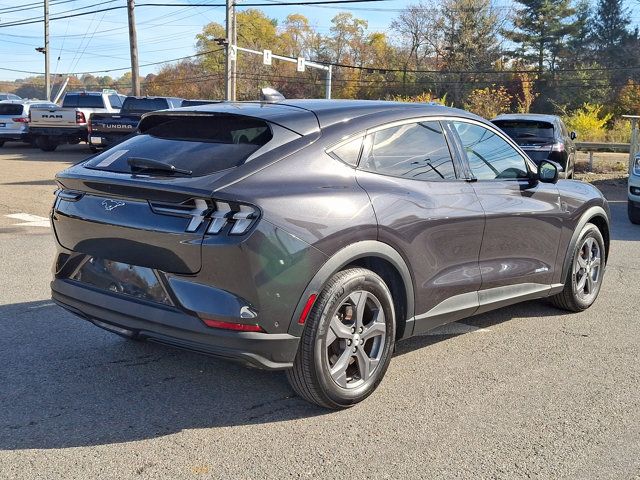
(424, 97)
(488, 102)
(588, 122)
(619, 131)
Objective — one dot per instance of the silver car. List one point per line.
(14, 119)
(9, 96)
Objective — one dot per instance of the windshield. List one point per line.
(201, 144)
(132, 104)
(523, 130)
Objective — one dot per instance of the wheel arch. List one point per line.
(597, 216)
(382, 259)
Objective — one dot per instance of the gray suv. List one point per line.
(311, 235)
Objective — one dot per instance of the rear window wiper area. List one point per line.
(140, 165)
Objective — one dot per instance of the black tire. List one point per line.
(311, 376)
(571, 298)
(93, 149)
(45, 144)
(634, 213)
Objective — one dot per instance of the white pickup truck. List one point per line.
(51, 127)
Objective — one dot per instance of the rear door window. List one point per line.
(418, 151)
(201, 144)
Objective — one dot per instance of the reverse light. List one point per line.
(238, 327)
(557, 147)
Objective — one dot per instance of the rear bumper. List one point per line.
(16, 136)
(61, 133)
(174, 327)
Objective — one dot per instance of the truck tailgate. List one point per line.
(54, 117)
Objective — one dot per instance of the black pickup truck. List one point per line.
(107, 129)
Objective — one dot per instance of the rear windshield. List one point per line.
(82, 100)
(11, 109)
(144, 104)
(202, 144)
(523, 129)
(196, 103)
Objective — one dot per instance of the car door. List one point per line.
(523, 217)
(428, 213)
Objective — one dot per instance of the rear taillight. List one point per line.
(230, 217)
(239, 217)
(557, 147)
(21, 120)
(80, 118)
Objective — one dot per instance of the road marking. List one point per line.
(29, 220)
(456, 328)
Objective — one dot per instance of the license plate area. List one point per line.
(123, 279)
(96, 140)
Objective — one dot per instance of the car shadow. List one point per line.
(66, 383)
(83, 386)
(530, 309)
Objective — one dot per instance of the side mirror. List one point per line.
(573, 135)
(548, 171)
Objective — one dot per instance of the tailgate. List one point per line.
(114, 123)
(54, 117)
(131, 230)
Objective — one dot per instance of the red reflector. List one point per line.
(307, 309)
(241, 327)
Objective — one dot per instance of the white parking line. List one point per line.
(29, 220)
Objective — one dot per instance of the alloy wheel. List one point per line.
(587, 269)
(356, 339)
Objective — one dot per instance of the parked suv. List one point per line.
(633, 204)
(51, 127)
(14, 119)
(542, 137)
(311, 235)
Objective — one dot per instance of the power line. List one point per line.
(119, 7)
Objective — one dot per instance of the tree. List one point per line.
(470, 42)
(610, 30)
(540, 29)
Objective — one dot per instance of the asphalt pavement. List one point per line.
(524, 392)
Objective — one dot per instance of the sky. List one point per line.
(99, 41)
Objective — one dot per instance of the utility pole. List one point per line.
(47, 78)
(231, 52)
(133, 47)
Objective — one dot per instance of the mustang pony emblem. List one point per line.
(111, 204)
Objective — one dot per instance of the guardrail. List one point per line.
(603, 147)
(591, 147)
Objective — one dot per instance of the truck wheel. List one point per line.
(347, 342)
(634, 213)
(45, 144)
